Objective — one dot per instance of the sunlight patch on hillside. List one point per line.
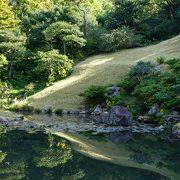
(102, 69)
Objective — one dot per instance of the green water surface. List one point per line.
(41, 156)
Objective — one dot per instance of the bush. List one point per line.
(38, 111)
(94, 95)
(53, 66)
(174, 64)
(128, 84)
(142, 69)
(29, 89)
(58, 111)
(160, 60)
(119, 100)
(120, 38)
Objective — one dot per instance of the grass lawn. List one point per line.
(100, 70)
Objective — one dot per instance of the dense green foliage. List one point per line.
(53, 66)
(36, 35)
(145, 85)
(94, 95)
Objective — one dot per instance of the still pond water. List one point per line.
(72, 156)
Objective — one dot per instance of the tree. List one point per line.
(11, 43)
(34, 23)
(66, 35)
(53, 65)
(7, 18)
(22, 7)
(90, 10)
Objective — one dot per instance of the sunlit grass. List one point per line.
(100, 70)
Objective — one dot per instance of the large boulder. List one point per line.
(118, 116)
(113, 91)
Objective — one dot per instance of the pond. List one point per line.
(68, 155)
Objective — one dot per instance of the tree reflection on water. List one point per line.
(46, 156)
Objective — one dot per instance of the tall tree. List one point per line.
(7, 18)
(65, 34)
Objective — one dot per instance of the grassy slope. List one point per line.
(99, 70)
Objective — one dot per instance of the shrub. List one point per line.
(94, 95)
(160, 60)
(29, 89)
(119, 100)
(142, 69)
(53, 66)
(120, 38)
(174, 64)
(59, 111)
(37, 111)
(128, 84)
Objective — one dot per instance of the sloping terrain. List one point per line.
(100, 70)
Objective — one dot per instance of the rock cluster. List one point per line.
(118, 116)
(113, 91)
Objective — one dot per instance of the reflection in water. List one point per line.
(120, 137)
(45, 156)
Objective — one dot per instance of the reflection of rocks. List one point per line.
(119, 116)
(145, 119)
(176, 130)
(173, 118)
(120, 137)
(113, 91)
(144, 157)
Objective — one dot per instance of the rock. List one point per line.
(145, 119)
(47, 110)
(97, 111)
(113, 91)
(175, 113)
(76, 112)
(84, 112)
(19, 118)
(119, 116)
(173, 118)
(176, 130)
(153, 110)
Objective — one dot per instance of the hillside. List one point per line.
(101, 69)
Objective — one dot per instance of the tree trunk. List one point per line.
(10, 73)
(85, 24)
(64, 48)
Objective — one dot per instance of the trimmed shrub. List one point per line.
(141, 69)
(94, 95)
(58, 111)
